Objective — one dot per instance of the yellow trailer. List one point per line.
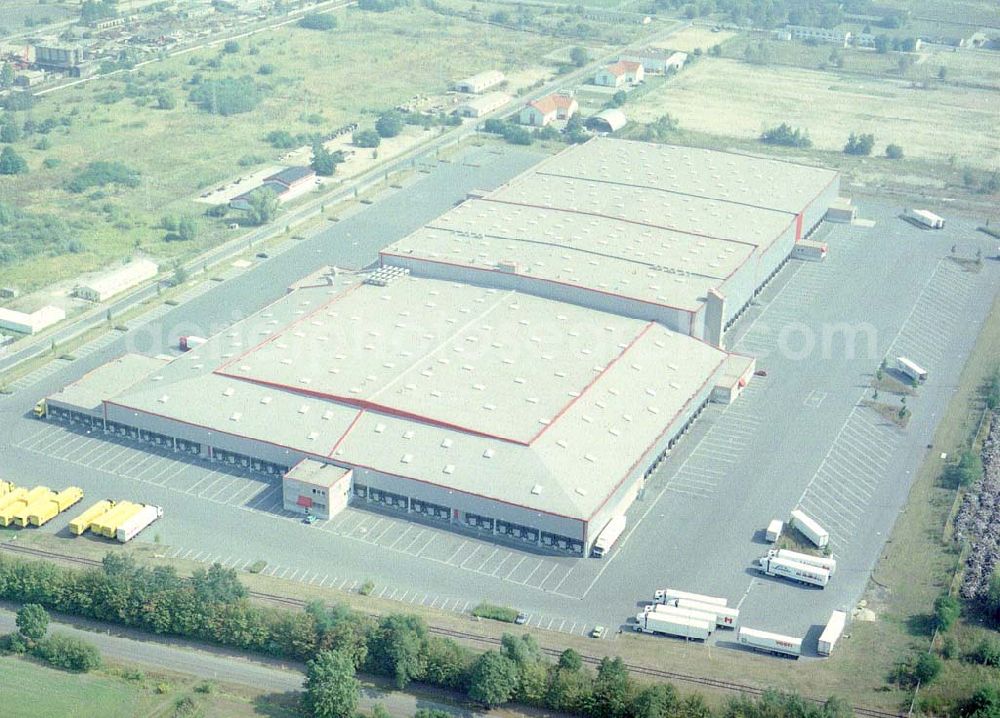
(10, 510)
(57, 504)
(21, 518)
(15, 495)
(91, 515)
(107, 525)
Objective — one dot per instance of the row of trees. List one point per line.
(213, 606)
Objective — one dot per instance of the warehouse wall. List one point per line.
(815, 211)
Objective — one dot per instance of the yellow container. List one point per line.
(91, 515)
(68, 496)
(15, 494)
(107, 525)
(8, 513)
(21, 517)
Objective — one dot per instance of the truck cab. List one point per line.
(41, 410)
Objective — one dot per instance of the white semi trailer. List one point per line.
(832, 633)
(665, 609)
(827, 562)
(769, 642)
(774, 530)
(911, 369)
(924, 217)
(664, 595)
(607, 538)
(669, 625)
(725, 616)
(131, 527)
(794, 571)
(809, 528)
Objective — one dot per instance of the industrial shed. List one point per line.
(109, 284)
(480, 408)
(633, 228)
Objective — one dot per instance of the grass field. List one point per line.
(322, 81)
(19, 15)
(31, 690)
(734, 99)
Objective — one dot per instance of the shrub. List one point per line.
(282, 140)
(496, 613)
(859, 144)
(366, 138)
(12, 163)
(231, 47)
(787, 136)
(228, 96)
(946, 611)
(494, 126)
(517, 135)
(100, 174)
(367, 587)
(987, 653)
(318, 21)
(893, 152)
(389, 125)
(65, 651)
(266, 69)
(165, 100)
(927, 668)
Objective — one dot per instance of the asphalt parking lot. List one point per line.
(798, 437)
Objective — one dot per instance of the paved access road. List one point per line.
(218, 664)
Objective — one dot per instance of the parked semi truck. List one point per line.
(12, 497)
(41, 409)
(82, 523)
(911, 369)
(725, 617)
(827, 562)
(794, 571)
(20, 518)
(607, 538)
(107, 525)
(190, 342)
(665, 609)
(131, 528)
(663, 595)
(689, 628)
(925, 218)
(832, 633)
(809, 528)
(769, 642)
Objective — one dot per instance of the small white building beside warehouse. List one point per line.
(540, 112)
(316, 488)
(125, 277)
(480, 83)
(619, 74)
(657, 61)
(30, 323)
(482, 105)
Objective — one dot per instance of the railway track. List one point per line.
(636, 669)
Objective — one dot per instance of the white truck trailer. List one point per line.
(665, 595)
(134, 525)
(665, 609)
(669, 625)
(774, 530)
(925, 218)
(809, 528)
(725, 617)
(827, 562)
(190, 341)
(607, 538)
(769, 642)
(832, 633)
(911, 369)
(794, 571)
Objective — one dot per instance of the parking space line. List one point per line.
(460, 547)
(528, 578)
(500, 565)
(475, 550)
(507, 577)
(399, 538)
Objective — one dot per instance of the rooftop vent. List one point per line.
(235, 416)
(407, 458)
(304, 409)
(488, 454)
(536, 489)
(446, 443)
(449, 469)
(265, 400)
(228, 391)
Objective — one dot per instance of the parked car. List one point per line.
(262, 255)
(598, 632)
(760, 372)
(521, 619)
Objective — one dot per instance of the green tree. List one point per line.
(618, 99)
(656, 701)
(331, 688)
(493, 680)
(984, 703)
(68, 652)
(318, 21)
(389, 125)
(32, 622)
(660, 129)
(324, 162)
(12, 163)
(579, 56)
(611, 689)
(231, 47)
(366, 138)
(263, 205)
(217, 584)
(570, 660)
(946, 611)
(165, 100)
(187, 228)
(6, 75)
(893, 151)
(859, 144)
(9, 130)
(927, 668)
(397, 648)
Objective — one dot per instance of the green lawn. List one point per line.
(40, 692)
(322, 80)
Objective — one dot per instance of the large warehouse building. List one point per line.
(678, 235)
(522, 389)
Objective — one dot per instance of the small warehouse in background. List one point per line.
(111, 283)
(288, 184)
(610, 120)
(316, 488)
(482, 105)
(658, 61)
(480, 83)
(30, 323)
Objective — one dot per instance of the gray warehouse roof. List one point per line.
(577, 395)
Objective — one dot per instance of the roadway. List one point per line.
(219, 665)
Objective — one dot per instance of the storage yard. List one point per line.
(847, 467)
